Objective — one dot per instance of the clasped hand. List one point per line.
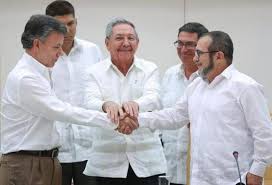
(125, 115)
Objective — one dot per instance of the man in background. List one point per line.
(68, 76)
(174, 83)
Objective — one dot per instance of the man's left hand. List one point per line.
(131, 108)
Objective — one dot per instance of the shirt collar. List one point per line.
(77, 47)
(226, 74)
(181, 74)
(40, 68)
(136, 63)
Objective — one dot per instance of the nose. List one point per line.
(68, 29)
(126, 42)
(60, 52)
(183, 48)
(196, 59)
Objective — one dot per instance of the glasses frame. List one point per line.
(188, 45)
(198, 52)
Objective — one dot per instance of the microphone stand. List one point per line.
(235, 154)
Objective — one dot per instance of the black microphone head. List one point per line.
(240, 183)
(235, 154)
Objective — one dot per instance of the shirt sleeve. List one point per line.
(150, 100)
(168, 119)
(258, 120)
(38, 99)
(92, 97)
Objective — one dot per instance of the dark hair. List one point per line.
(117, 21)
(193, 27)
(39, 27)
(59, 8)
(221, 41)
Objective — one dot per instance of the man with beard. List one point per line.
(227, 111)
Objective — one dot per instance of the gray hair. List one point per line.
(117, 21)
(40, 27)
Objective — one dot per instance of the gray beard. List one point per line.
(203, 73)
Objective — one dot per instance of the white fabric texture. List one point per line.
(113, 152)
(175, 142)
(68, 76)
(229, 114)
(30, 106)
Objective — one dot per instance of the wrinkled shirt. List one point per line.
(112, 152)
(175, 142)
(229, 114)
(68, 75)
(30, 106)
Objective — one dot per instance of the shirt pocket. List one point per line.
(136, 89)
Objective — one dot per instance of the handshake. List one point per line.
(125, 115)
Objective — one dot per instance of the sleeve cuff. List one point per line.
(258, 168)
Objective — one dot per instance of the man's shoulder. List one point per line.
(145, 65)
(173, 69)
(97, 67)
(242, 80)
(86, 43)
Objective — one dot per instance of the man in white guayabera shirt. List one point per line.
(174, 83)
(29, 139)
(124, 81)
(68, 77)
(227, 111)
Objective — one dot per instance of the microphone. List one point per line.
(235, 155)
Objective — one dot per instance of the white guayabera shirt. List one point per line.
(68, 76)
(113, 152)
(229, 114)
(175, 142)
(30, 106)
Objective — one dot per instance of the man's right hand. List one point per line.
(128, 125)
(113, 111)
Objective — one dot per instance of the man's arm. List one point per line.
(150, 100)
(41, 101)
(258, 120)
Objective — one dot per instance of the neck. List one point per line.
(218, 69)
(189, 70)
(123, 67)
(67, 46)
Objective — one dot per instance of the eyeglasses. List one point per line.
(199, 52)
(187, 45)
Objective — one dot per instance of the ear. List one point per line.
(219, 55)
(107, 43)
(36, 44)
(76, 21)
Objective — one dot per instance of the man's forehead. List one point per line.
(204, 41)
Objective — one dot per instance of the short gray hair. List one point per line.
(40, 27)
(116, 21)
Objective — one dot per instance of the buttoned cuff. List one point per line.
(258, 168)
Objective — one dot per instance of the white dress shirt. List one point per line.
(30, 106)
(175, 142)
(113, 152)
(229, 114)
(67, 76)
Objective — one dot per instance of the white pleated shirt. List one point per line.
(112, 152)
(30, 106)
(175, 142)
(68, 76)
(229, 114)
